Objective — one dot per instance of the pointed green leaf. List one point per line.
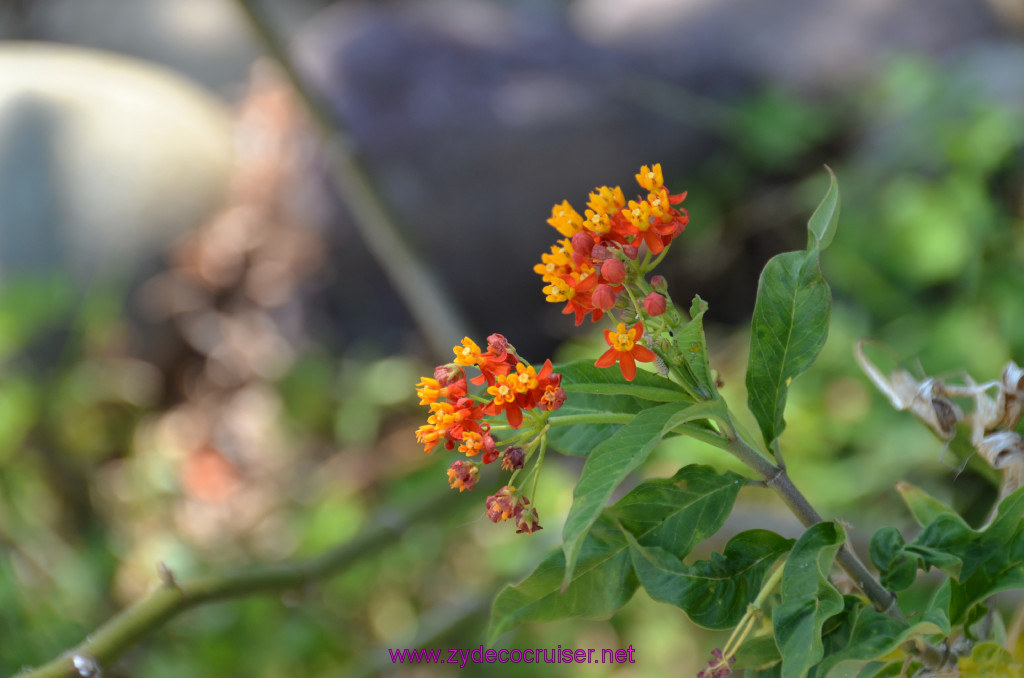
(808, 598)
(670, 513)
(787, 331)
(822, 224)
(714, 593)
(613, 459)
(603, 392)
(924, 507)
(693, 346)
(602, 583)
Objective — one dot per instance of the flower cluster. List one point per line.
(457, 417)
(585, 269)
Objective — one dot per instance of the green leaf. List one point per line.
(924, 507)
(694, 348)
(788, 329)
(758, 654)
(594, 391)
(714, 593)
(677, 514)
(822, 224)
(981, 562)
(888, 554)
(867, 634)
(613, 459)
(808, 598)
(603, 582)
(667, 513)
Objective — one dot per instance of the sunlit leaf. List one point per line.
(825, 219)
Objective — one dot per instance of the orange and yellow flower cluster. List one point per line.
(457, 418)
(585, 268)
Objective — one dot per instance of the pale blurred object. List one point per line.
(103, 160)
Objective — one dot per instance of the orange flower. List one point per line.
(625, 350)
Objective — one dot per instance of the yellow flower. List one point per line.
(468, 353)
(650, 178)
(565, 219)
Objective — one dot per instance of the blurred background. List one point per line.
(209, 332)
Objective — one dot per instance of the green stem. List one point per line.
(654, 264)
(776, 478)
(595, 418)
(540, 460)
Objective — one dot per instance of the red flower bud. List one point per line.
(599, 253)
(447, 374)
(614, 271)
(490, 449)
(659, 283)
(497, 345)
(630, 251)
(603, 296)
(654, 304)
(583, 243)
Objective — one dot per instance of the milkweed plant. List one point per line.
(797, 607)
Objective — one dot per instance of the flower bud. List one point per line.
(447, 374)
(614, 271)
(512, 459)
(583, 243)
(603, 297)
(490, 449)
(654, 304)
(630, 251)
(497, 345)
(599, 253)
(659, 283)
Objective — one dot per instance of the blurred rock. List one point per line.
(103, 159)
(476, 117)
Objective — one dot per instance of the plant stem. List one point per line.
(133, 624)
(777, 479)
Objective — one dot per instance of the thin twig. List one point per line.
(436, 315)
